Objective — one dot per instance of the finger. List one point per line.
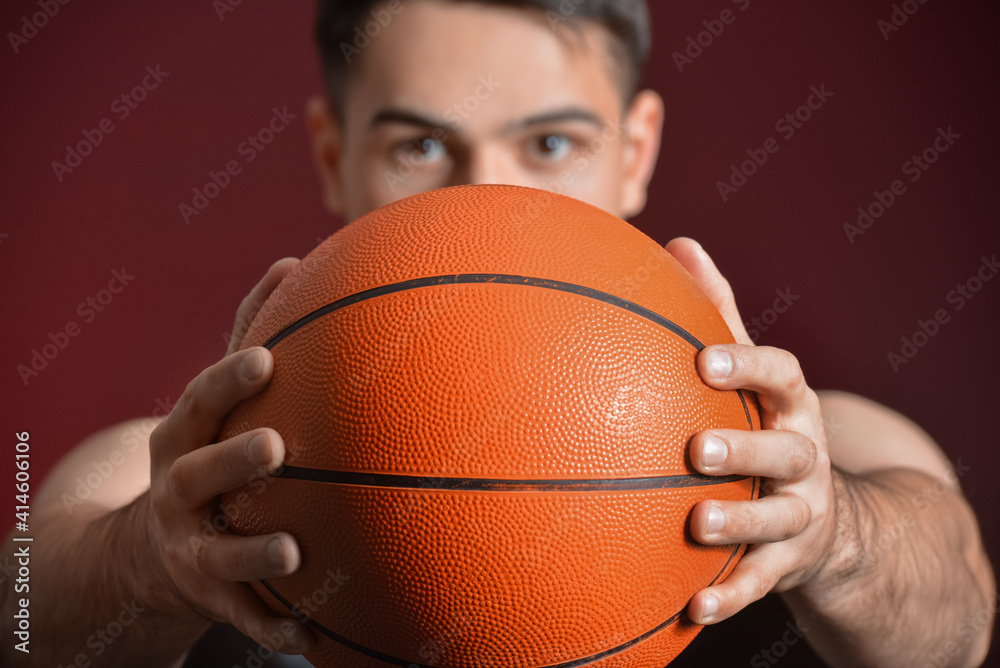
(769, 519)
(755, 575)
(251, 304)
(696, 261)
(197, 416)
(239, 605)
(784, 455)
(773, 373)
(199, 476)
(245, 559)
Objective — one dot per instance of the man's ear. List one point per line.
(327, 150)
(643, 127)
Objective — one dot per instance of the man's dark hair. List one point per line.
(339, 23)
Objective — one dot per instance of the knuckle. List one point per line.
(191, 404)
(753, 586)
(805, 455)
(763, 584)
(743, 451)
(231, 460)
(812, 401)
(199, 556)
(235, 560)
(157, 437)
(798, 519)
(792, 379)
(177, 482)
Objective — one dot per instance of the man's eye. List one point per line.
(551, 147)
(425, 148)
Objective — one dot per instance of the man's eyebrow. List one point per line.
(408, 117)
(556, 116)
(397, 115)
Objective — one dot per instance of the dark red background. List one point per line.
(781, 230)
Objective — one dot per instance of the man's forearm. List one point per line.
(96, 597)
(909, 583)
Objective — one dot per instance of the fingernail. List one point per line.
(714, 451)
(716, 519)
(259, 450)
(275, 552)
(252, 365)
(720, 364)
(711, 607)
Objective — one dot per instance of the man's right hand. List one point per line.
(208, 571)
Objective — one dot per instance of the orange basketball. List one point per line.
(486, 395)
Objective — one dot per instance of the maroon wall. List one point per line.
(61, 240)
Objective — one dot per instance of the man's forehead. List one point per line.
(496, 63)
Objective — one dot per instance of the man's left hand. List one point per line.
(791, 527)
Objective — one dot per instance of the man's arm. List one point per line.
(913, 564)
(825, 510)
(117, 580)
(83, 558)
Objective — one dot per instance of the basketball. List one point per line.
(486, 395)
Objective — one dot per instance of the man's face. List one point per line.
(456, 93)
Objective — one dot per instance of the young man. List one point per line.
(548, 78)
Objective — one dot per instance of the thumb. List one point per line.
(252, 302)
(696, 261)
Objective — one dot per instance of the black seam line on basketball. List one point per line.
(386, 658)
(570, 664)
(506, 279)
(366, 479)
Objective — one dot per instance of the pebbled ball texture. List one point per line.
(551, 370)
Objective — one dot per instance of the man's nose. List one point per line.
(489, 165)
